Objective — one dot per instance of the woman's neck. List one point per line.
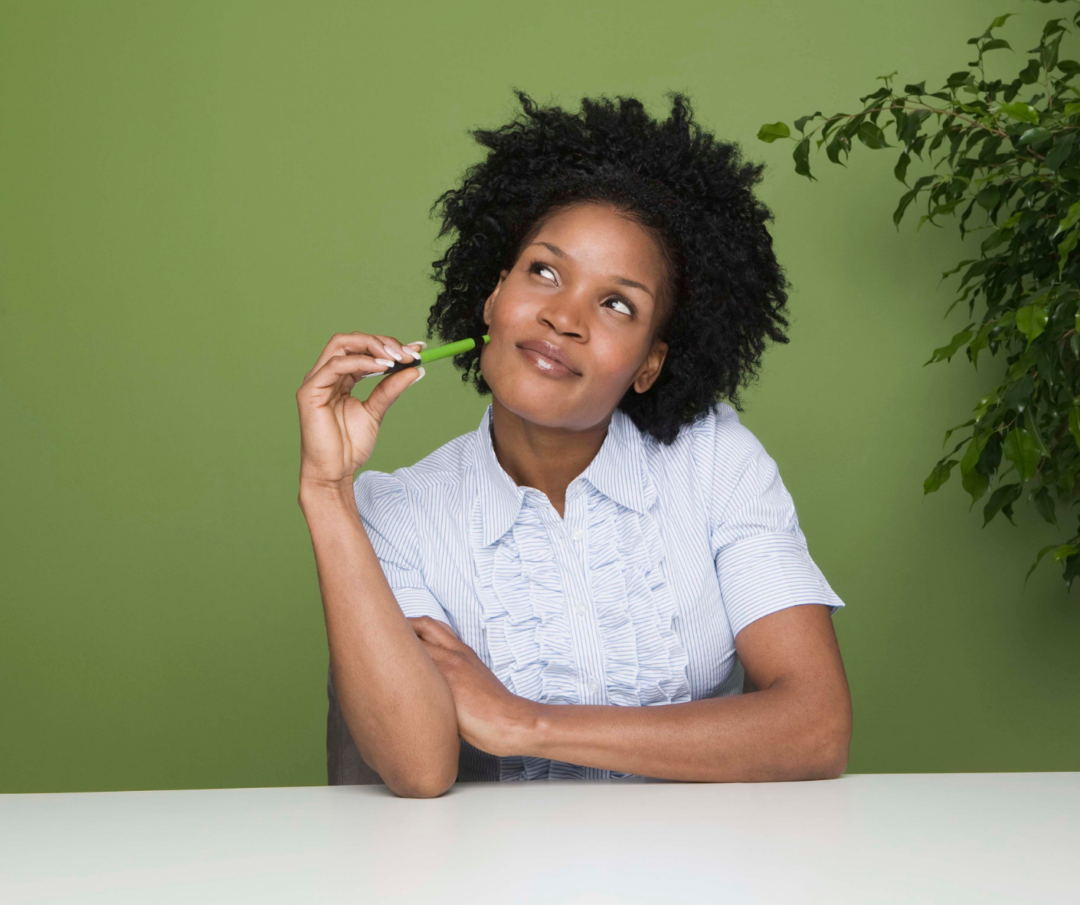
(546, 458)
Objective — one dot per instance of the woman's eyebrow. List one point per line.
(622, 281)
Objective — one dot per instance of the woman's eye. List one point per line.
(540, 268)
(537, 267)
(622, 302)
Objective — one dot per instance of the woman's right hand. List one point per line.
(337, 430)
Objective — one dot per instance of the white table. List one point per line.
(864, 838)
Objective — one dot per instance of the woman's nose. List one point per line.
(566, 314)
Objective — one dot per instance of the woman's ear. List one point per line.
(646, 377)
(494, 294)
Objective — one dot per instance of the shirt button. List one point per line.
(579, 608)
(594, 686)
(576, 534)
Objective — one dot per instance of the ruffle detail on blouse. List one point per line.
(527, 629)
(525, 614)
(644, 658)
(527, 623)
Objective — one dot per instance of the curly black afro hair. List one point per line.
(691, 192)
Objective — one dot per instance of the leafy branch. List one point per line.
(1017, 162)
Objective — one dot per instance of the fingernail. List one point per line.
(392, 352)
(383, 361)
(421, 377)
(414, 353)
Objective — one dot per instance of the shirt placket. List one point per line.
(570, 535)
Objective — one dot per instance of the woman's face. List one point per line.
(589, 284)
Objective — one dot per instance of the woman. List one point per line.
(611, 536)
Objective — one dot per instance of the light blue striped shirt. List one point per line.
(634, 598)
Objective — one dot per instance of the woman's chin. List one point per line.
(536, 400)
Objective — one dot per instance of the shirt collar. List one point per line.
(618, 471)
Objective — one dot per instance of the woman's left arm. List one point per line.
(796, 725)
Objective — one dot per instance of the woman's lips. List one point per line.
(546, 365)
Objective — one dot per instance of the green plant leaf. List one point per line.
(1020, 449)
(1035, 136)
(772, 131)
(1065, 247)
(1031, 320)
(801, 122)
(834, 147)
(972, 453)
(1070, 218)
(1023, 364)
(950, 431)
(989, 197)
(1022, 112)
(1044, 505)
(1038, 559)
(1018, 396)
(1001, 500)
(1064, 552)
(938, 476)
(1000, 20)
(1032, 424)
(871, 136)
(1060, 152)
(801, 157)
(900, 170)
(984, 404)
(905, 200)
(948, 351)
(1074, 424)
(1031, 73)
(956, 269)
(975, 484)
(998, 237)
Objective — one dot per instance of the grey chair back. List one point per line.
(344, 765)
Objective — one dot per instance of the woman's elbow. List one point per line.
(423, 789)
(429, 781)
(834, 766)
(831, 748)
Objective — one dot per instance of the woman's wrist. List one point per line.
(319, 494)
(526, 726)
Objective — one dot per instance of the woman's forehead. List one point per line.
(598, 238)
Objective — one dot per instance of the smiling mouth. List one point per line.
(546, 365)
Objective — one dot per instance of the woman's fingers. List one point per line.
(434, 631)
(330, 374)
(376, 345)
(396, 350)
(410, 353)
(351, 344)
(388, 389)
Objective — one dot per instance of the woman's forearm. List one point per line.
(395, 702)
(775, 734)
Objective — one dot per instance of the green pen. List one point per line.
(426, 355)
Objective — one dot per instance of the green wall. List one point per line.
(197, 195)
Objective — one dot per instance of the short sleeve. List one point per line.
(383, 504)
(761, 555)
